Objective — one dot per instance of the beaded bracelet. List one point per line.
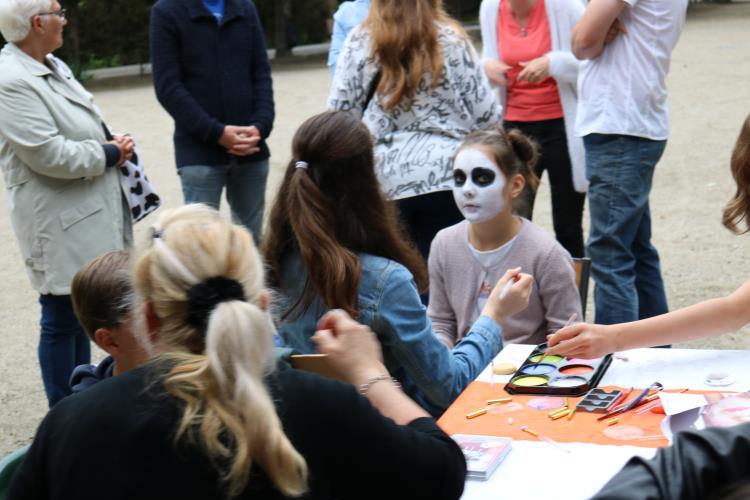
(363, 388)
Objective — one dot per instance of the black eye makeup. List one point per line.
(482, 177)
(459, 177)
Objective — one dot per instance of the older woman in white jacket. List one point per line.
(66, 203)
(526, 54)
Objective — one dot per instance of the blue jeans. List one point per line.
(246, 189)
(625, 264)
(62, 345)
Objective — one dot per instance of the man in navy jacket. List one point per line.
(211, 74)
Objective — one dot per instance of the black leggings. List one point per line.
(424, 215)
(567, 203)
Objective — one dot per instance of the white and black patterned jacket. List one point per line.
(414, 145)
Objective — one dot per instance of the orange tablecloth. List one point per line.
(583, 428)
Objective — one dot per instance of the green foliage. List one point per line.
(101, 34)
(115, 32)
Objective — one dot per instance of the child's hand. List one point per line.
(582, 341)
(515, 298)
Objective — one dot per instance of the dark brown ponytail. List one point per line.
(332, 210)
(738, 208)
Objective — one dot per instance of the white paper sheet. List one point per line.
(674, 403)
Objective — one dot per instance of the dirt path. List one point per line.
(709, 93)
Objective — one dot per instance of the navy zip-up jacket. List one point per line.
(209, 74)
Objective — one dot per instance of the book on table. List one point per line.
(483, 453)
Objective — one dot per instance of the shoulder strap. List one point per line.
(371, 89)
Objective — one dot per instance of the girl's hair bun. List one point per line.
(526, 149)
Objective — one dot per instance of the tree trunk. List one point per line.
(74, 37)
(280, 25)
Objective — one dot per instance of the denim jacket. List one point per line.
(389, 304)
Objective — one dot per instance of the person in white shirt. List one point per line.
(623, 119)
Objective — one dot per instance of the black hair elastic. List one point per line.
(205, 296)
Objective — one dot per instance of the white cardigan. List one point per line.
(563, 67)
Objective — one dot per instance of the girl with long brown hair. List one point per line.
(705, 319)
(411, 74)
(333, 242)
(209, 417)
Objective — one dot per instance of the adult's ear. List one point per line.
(37, 24)
(153, 324)
(265, 300)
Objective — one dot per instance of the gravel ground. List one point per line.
(709, 95)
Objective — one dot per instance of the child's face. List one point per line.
(478, 185)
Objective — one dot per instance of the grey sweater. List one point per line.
(456, 276)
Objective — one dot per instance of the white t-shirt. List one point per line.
(623, 91)
(489, 260)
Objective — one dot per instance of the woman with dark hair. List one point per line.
(333, 242)
(411, 74)
(210, 416)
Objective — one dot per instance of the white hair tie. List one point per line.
(173, 261)
(301, 164)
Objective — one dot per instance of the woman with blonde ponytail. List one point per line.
(209, 416)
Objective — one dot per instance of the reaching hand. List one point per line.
(515, 299)
(240, 141)
(351, 347)
(583, 341)
(495, 71)
(535, 71)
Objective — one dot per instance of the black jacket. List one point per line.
(208, 75)
(116, 441)
(697, 466)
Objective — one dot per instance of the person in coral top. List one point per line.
(527, 56)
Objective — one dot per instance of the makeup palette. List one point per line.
(555, 375)
(599, 400)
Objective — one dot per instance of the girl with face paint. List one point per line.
(334, 243)
(490, 170)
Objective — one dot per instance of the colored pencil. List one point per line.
(542, 437)
(505, 289)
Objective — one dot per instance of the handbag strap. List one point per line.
(107, 134)
(371, 89)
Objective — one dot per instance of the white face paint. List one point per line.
(478, 185)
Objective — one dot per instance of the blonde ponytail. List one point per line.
(218, 371)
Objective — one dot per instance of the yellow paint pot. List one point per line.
(529, 381)
(547, 359)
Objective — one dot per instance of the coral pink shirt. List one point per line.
(527, 102)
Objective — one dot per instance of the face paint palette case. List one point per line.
(556, 375)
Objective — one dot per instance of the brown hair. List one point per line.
(331, 211)
(217, 371)
(405, 44)
(512, 151)
(738, 208)
(102, 292)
